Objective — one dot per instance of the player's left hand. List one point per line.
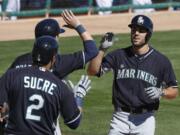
(153, 92)
(106, 41)
(82, 87)
(70, 19)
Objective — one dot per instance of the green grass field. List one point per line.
(97, 107)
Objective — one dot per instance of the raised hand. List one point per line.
(82, 87)
(106, 41)
(70, 19)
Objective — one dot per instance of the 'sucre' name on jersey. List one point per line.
(39, 84)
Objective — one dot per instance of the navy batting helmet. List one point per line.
(45, 47)
(145, 22)
(48, 27)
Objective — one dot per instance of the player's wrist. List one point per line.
(79, 101)
(101, 48)
(80, 29)
(163, 94)
(77, 24)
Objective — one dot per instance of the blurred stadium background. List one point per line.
(98, 108)
(166, 17)
(32, 8)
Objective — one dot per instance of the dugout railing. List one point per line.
(89, 9)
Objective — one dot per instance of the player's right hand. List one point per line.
(153, 93)
(82, 87)
(70, 19)
(106, 41)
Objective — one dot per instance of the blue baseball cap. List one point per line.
(48, 27)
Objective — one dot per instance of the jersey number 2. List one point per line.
(32, 107)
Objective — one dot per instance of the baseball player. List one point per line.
(139, 73)
(64, 64)
(67, 63)
(36, 97)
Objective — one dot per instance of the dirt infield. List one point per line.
(117, 23)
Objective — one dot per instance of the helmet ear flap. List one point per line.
(148, 36)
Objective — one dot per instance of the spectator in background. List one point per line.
(141, 3)
(13, 6)
(35, 4)
(0, 5)
(104, 4)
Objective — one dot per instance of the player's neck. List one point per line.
(46, 67)
(141, 50)
(50, 65)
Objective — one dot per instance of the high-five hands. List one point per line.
(70, 19)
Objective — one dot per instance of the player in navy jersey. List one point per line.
(36, 96)
(67, 63)
(142, 75)
(64, 64)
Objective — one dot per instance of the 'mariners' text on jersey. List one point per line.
(39, 84)
(137, 74)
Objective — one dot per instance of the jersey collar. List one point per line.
(144, 56)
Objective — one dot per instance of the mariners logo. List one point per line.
(140, 20)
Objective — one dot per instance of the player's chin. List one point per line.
(136, 43)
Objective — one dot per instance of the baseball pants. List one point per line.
(123, 123)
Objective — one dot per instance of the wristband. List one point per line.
(80, 29)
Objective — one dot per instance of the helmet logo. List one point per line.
(140, 20)
(47, 28)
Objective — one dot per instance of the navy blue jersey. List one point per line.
(64, 64)
(36, 97)
(133, 73)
